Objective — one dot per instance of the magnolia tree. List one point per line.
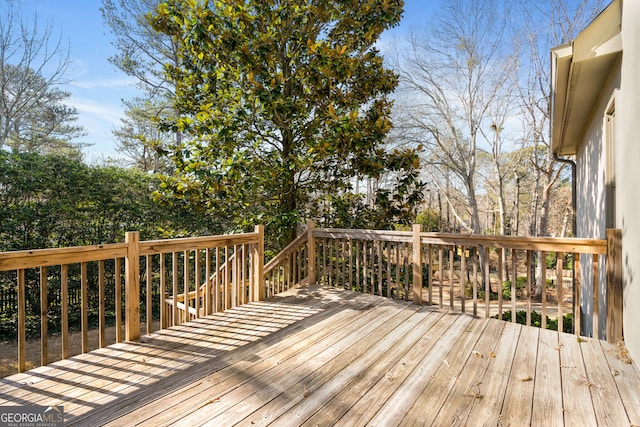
(283, 104)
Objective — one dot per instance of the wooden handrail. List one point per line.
(35, 258)
(387, 262)
(371, 260)
(550, 244)
(133, 252)
(289, 268)
(288, 250)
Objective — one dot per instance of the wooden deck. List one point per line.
(321, 356)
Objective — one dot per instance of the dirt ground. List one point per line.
(9, 350)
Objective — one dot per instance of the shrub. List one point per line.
(521, 283)
(536, 320)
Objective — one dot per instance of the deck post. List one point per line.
(614, 285)
(132, 286)
(417, 265)
(311, 242)
(259, 291)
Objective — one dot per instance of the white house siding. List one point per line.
(590, 199)
(628, 178)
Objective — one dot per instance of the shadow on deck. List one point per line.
(324, 356)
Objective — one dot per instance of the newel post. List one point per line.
(417, 265)
(614, 285)
(132, 286)
(259, 292)
(311, 243)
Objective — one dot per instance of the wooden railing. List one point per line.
(290, 267)
(182, 279)
(466, 272)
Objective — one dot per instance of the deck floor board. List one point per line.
(324, 356)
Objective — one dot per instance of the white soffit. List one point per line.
(578, 73)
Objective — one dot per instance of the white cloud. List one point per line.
(104, 83)
(103, 112)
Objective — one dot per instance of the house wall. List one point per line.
(628, 178)
(590, 198)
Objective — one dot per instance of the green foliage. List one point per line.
(521, 284)
(536, 320)
(139, 139)
(430, 221)
(282, 105)
(551, 261)
(53, 201)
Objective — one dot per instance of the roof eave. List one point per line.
(578, 72)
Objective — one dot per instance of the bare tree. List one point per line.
(33, 65)
(451, 75)
(545, 24)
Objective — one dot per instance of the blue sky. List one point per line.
(97, 87)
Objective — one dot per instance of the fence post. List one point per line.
(259, 291)
(417, 265)
(132, 286)
(614, 285)
(311, 244)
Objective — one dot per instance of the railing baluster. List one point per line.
(163, 293)
(250, 264)
(44, 320)
(514, 280)
(343, 256)
(174, 269)
(84, 316)
(365, 269)
(22, 321)
(197, 279)
(389, 254)
(543, 316)
(294, 267)
(101, 306)
(463, 278)
(577, 312)
(407, 269)
(560, 286)
(149, 301)
(372, 269)
(380, 268)
(185, 285)
(475, 281)
(226, 282)
(500, 281)
(529, 285)
(596, 300)
(441, 274)
(216, 294)
(451, 277)
(430, 272)
(487, 284)
(64, 308)
(233, 276)
(357, 255)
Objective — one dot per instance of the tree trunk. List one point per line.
(503, 231)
